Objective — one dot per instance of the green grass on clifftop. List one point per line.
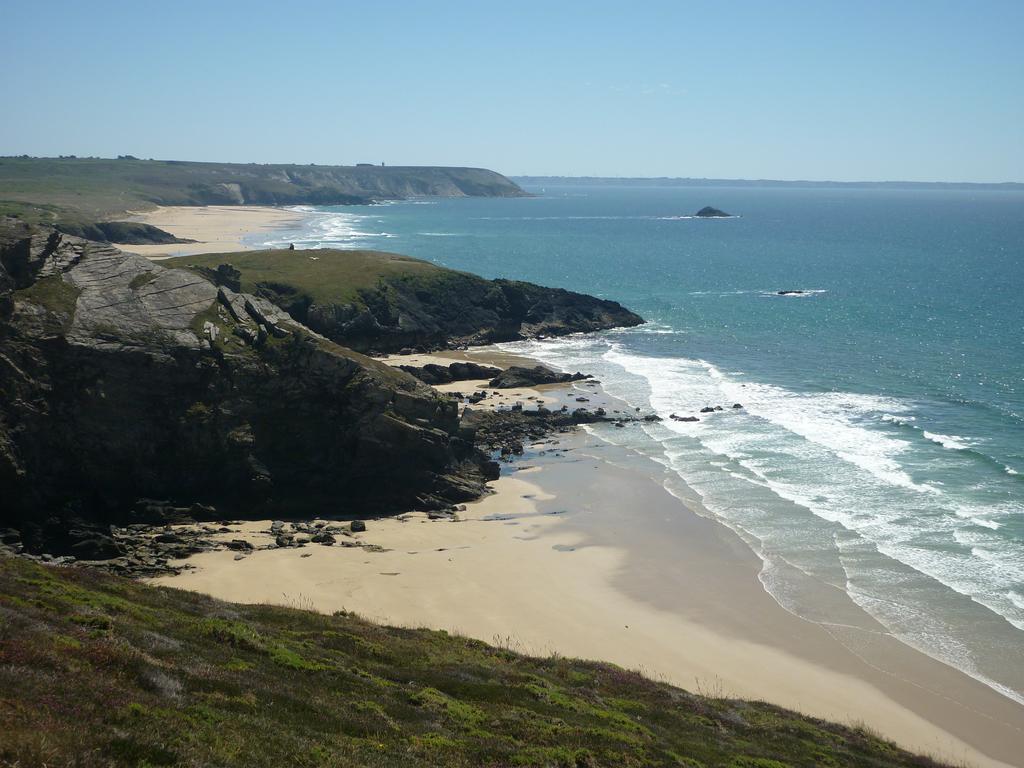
(325, 275)
(100, 671)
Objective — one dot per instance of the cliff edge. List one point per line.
(127, 388)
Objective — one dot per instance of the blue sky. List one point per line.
(789, 90)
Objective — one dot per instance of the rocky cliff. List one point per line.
(382, 302)
(127, 388)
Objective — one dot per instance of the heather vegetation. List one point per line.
(101, 671)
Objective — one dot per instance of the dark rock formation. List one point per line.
(223, 275)
(707, 212)
(517, 376)
(432, 373)
(505, 431)
(410, 303)
(122, 381)
(128, 232)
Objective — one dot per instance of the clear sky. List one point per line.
(856, 90)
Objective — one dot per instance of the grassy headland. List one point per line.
(317, 276)
(383, 302)
(72, 192)
(97, 670)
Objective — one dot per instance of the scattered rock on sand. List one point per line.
(357, 526)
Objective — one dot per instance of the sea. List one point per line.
(880, 444)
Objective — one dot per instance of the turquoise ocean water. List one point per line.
(881, 444)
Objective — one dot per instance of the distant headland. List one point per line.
(76, 193)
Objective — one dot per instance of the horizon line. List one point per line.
(716, 180)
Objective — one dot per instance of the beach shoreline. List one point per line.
(215, 228)
(548, 563)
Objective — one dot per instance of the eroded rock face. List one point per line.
(125, 300)
(456, 310)
(121, 380)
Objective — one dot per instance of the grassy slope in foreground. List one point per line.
(76, 191)
(96, 670)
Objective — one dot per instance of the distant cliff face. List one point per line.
(121, 380)
(329, 185)
(80, 191)
(380, 302)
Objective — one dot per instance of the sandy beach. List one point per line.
(581, 552)
(215, 228)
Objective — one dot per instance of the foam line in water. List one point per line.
(953, 442)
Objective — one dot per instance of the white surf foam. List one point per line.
(829, 454)
(329, 229)
(953, 442)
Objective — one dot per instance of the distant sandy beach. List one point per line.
(582, 552)
(215, 228)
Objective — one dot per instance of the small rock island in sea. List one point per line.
(707, 212)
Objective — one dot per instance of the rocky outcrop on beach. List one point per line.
(506, 432)
(122, 381)
(400, 303)
(432, 373)
(520, 376)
